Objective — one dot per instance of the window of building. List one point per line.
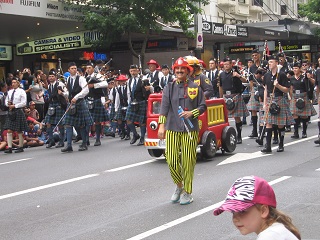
(258, 3)
(284, 10)
(242, 1)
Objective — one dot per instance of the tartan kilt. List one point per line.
(119, 115)
(98, 112)
(253, 104)
(307, 111)
(284, 117)
(57, 116)
(261, 113)
(112, 112)
(139, 116)
(240, 107)
(81, 118)
(19, 124)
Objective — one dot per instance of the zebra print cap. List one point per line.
(246, 192)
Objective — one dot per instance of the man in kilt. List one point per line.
(78, 114)
(230, 89)
(58, 95)
(137, 105)
(16, 120)
(121, 104)
(97, 90)
(300, 105)
(254, 104)
(317, 83)
(276, 107)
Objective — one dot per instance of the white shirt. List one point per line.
(277, 231)
(19, 98)
(61, 84)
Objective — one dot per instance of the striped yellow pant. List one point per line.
(181, 167)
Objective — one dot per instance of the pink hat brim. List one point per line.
(232, 206)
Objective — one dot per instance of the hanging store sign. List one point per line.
(5, 53)
(242, 31)
(58, 43)
(242, 49)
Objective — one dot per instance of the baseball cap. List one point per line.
(245, 193)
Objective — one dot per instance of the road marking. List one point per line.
(238, 157)
(318, 169)
(190, 216)
(47, 186)
(131, 165)
(19, 160)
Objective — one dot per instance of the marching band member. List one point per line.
(137, 104)
(179, 134)
(276, 85)
(230, 89)
(96, 92)
(154, 76)
(167, 77)
(317, 83)
(78, 114)
(58, 95)
(213, 74)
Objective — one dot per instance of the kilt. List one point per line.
(240, 107)
(119, 115)
(253, 104)
(261, 113)
(57, 116)
(112, 112)
(139, 116)
(284, 117)
(81, 118)
(307, 111)
(19, 124)
(98, 112)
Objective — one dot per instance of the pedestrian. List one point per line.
(181, 136)
(252, 202)
(317, 84)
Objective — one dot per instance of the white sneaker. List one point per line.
(186, 198)
(176, 195)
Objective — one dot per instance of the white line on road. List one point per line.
(190, 216)
(318, 169)
(19, 160)
(47, 186)
(131, 165)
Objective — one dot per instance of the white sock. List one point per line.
(9, 139)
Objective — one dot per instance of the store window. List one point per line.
(284, 10)
(258, 3)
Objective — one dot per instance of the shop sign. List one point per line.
(218, 28)
(182, 43)
(230, 30)
(242, 31)
(59, 43)
(206, 27)
(5, 53)
(290, 47)
(94, 56)
(243, 49)
(42, 9)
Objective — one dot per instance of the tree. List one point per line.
(311, 10)
(116, 18)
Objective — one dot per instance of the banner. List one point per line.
(58, 43)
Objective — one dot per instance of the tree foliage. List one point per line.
(311, 10)
(117, 18)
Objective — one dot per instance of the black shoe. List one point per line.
(141, 142)
(97, 143)
(9, 150)
(280, 149)
(19, 150)
(135, 138)
(50, 144)
(127, 137)
(275, 141)
(267, 149)
(78, 138)
(110, 134)
(122, 136)
(259, 141)
(317, 141)
(253, 135)
(239, 140)
(88, 143)
(82, 148)
(59, 145)
(295, 136)
(67, 149)
(304, 135)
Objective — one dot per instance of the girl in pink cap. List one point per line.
(253, 204)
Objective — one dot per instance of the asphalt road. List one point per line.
(117, 191)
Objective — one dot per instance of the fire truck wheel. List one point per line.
(229, 139)
(209, 145)
(155, 152)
